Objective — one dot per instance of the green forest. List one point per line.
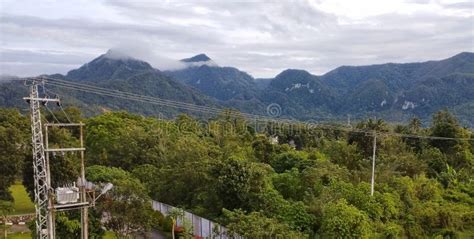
(259, 179)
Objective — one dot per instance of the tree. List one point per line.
(435, 160)
(414, 127)
(68, 224)
(364, 140)
(186, 226)
(106, 134)
(288, 160)
(127, 205)
(256, 225)
(344, 221)
(343, 154)
(14, 147)
(292, 213)
(263, 149)
(290, 184)
(5, 208)
(444, 124)
(238, 182)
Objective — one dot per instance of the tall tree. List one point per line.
(444, 124)
(127, 205)
(14, 147)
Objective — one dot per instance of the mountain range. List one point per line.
(394, 92)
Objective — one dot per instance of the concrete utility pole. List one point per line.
(373, 165)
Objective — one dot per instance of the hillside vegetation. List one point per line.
(395, 92)
(313, 182)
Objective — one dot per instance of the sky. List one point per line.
(262, 38)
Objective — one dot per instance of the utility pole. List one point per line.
(84, 211)
(373, 165)
(83, 203)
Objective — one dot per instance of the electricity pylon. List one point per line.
(44, 193)
(42, 178)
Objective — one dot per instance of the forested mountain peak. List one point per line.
(393, 91)
(222, 83)
(400, 74)
(197, 58)
(113, 64)
(293, 72)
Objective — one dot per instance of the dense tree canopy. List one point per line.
(14, 146)
(312, 182)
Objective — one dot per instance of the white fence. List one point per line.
(201, 226)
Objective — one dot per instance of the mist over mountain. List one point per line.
(197, 58)
(109, 66)
(395, 92)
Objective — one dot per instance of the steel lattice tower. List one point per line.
(41, 176)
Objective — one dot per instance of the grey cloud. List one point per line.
(467, 5)
(31, 56)
(261, 37)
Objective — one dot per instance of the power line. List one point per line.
(216, 111)
(206, 109)
(171, 103)
(52, 113)
(58, 103)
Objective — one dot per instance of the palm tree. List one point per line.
(175, 213)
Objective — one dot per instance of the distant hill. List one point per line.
(395, 92)
(262, 83)
(221, 83)
(109, 66)
(115, 71)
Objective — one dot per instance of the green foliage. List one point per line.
(127, 204)
(14, 147)
(256, 225)
(106, 133)
(222, 170)
(6, 208)
(344, 221)
(435, 160)
(444, 124)
(239, 182)
(344, 154)
(288, 160)
(290, 184)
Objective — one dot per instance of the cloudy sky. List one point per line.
(260, 37)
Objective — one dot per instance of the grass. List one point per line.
(109, 235)
(22, 203)
(25, 235)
